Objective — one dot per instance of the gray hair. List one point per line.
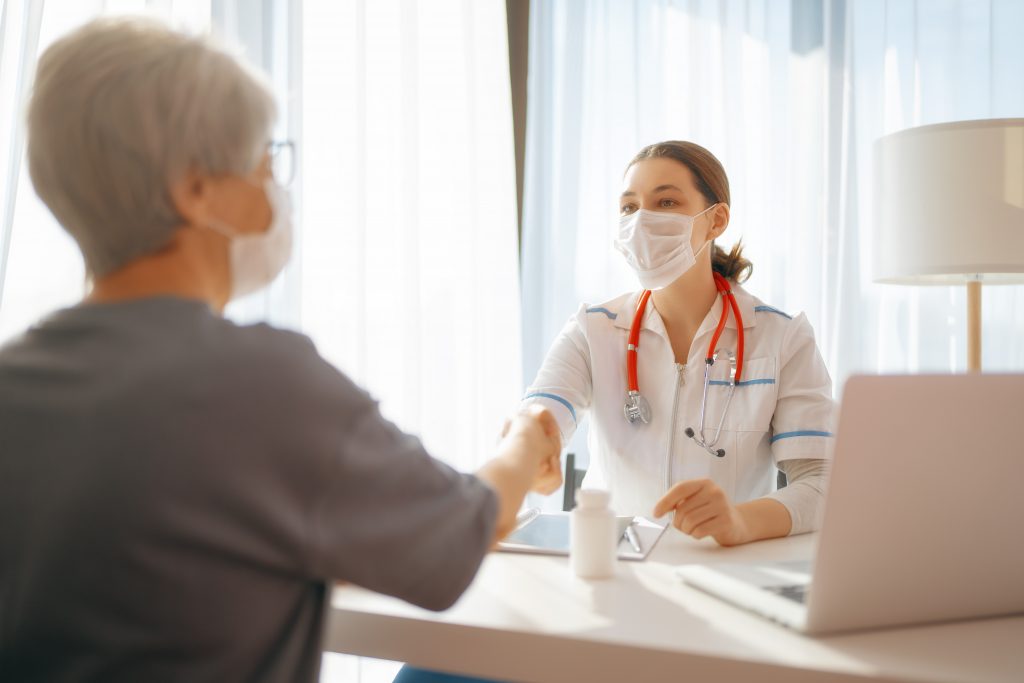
(121, 109)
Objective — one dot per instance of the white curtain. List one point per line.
(791, 96)
(40, 266)
(405, 271)
(409, 263)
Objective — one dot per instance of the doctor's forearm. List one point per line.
(764, 518)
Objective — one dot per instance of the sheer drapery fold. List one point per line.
(791, 96)
(405, 266)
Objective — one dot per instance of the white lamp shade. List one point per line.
(949, 203)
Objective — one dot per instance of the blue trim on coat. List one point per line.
(601, 309)
(769, 309)
(802, 432)
(742, 382)
(554, 397)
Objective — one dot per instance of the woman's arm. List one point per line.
(701, 508)
(804, 495)
(564, 383)
(801, 436)
(528, 458)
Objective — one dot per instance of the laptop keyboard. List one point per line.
(794, 593)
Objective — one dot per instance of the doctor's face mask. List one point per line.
(670, 190)
(657, 245)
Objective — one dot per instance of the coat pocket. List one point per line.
(753, 399)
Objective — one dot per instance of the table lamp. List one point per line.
(949, 209)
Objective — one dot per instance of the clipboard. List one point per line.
(547, 533)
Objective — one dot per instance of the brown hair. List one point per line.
(711, 181)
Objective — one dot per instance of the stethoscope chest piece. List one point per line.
(637, 409)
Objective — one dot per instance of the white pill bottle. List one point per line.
(592, 537)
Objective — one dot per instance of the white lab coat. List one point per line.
(781, 410)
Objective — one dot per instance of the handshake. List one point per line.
(528, 458)
(533, 438)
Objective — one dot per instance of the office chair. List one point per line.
(573, 481)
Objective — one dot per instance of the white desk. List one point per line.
(526, 618)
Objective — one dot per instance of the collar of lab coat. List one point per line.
(652, 319)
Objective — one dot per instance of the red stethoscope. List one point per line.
(637, 409)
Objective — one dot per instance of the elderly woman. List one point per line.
(177, 491)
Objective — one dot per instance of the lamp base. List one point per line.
(974, 326)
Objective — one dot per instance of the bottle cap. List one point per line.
(592, 499)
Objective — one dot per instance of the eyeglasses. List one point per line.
(282, 161)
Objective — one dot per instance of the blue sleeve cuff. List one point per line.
(801, 432)
(554, 397)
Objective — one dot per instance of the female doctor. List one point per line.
(696, 390)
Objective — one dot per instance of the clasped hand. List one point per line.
(539, 431)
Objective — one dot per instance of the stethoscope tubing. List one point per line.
(637, 409)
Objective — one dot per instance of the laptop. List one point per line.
(924, 519)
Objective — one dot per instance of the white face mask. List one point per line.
(656, 245)
(258, 258)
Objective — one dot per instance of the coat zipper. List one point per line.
(680, 380)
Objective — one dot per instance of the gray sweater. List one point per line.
(177, 493)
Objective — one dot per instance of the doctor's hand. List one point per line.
(544, 438)
(702, 509)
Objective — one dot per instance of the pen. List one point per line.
(526, 516)
(632, 537)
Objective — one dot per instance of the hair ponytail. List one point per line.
(731, 265)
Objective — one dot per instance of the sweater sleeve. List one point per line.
(804, 495)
